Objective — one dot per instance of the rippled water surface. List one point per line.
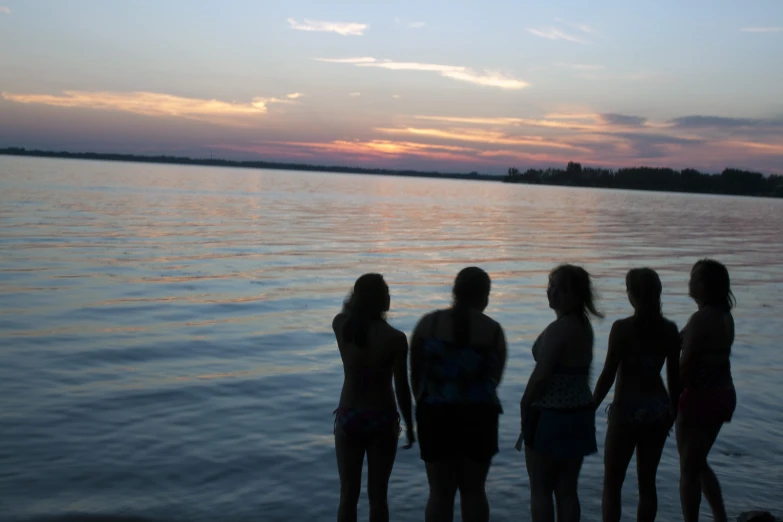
(165, 343)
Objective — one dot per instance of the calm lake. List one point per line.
(165, 340)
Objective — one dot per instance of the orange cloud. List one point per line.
(548, 122)
(365, 150)
(377, 146)
(477, 120)
(487, 137)
(762, 148)
(152, 104)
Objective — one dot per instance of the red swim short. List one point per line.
(708, 404)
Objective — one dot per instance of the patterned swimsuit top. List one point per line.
(457, 374)
(568, 386)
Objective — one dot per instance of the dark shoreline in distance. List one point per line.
(251, 164)
(730, 182)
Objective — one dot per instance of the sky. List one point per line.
(454, 86)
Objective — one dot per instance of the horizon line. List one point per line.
(287, 165)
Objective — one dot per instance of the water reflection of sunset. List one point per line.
(184, 298)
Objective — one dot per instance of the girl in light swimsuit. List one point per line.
(373, 354)
(642, 412)
(708, 399)
(558, 418)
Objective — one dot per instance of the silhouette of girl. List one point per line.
(366, 420)
(708, 399)
(642, 412)
(457, 360)
(558, 418)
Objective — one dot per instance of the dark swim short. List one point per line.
(457, 431)
(561, 434)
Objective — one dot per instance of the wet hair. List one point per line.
(576, 280)
(645, 287)
(716, 284)
(471, 288)
(366, 303)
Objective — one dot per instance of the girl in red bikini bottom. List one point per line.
(711, 398)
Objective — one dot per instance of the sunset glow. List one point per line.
(408, 85)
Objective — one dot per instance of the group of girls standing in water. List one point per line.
(457, 359)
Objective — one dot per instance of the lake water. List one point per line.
(165, 341)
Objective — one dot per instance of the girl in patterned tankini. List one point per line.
(457, 360)
(558, 418)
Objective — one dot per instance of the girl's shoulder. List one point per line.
(339, 320)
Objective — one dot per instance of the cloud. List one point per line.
(454, 72)
(557, 33)
(763, 148)
(574, 134)
(343, 28)
(4, 9)
(354, 94)
(294, 95)
(645, 145)
(409, 25)
(365, 59)
(762, 29)
(720, 122)
(411, 66)
(488, 79)
(487, 137)
(362, 150)
(473, 120)
(622, 119)
(582, 27)
(592, 122)
(553, 33)
(152, 104)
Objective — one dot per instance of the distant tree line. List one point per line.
(178, 160)
(730, 181)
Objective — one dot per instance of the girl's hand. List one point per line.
(410, 436)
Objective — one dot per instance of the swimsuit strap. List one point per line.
(422, 392)
(495, 338)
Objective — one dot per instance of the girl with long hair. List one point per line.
(643, 411)
(367, 420)
(558, 418)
